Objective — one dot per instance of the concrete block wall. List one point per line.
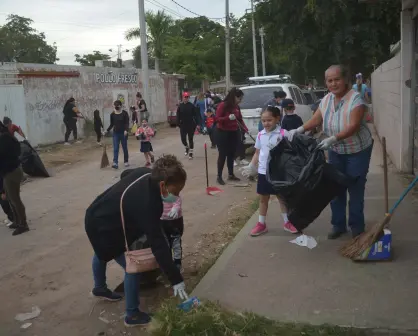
(46, 96)
(386, 93)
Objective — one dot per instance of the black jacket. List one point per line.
(119, 122)
(143, 208)
(188, 115)
(9, 153)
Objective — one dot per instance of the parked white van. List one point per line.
(256, 96)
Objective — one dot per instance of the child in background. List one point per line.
(5, 205)
(266, 140)
(210, 125)
(173, 226)
(290, 120)
(144, 134)
(98, 126)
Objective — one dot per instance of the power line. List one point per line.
(168, 9)
(194, 13)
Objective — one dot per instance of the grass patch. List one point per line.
(209, 319)
(229, 230)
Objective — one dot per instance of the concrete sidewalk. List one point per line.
(272, 277)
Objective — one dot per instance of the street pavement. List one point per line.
(270, 276)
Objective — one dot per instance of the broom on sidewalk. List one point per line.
(364, 241)
(105, 159)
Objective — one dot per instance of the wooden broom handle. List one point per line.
(385, 175)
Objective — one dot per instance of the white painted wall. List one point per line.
(392, 102)
(386, 95)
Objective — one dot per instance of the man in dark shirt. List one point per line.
(290, 120)
(188, 118)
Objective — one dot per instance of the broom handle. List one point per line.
(385, 173)
(206, 163)
(406, 191)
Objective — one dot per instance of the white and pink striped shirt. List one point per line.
(168, 206)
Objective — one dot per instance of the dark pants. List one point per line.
(98, 134)
(5, 205)
(187, 132)
(357, 166)
(120, 138)
(211, 132)
(12, 188)
(240, 153)
(70, 126)
(173, 229)
(227, 146)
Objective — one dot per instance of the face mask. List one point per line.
(170, 198)
(117, 108)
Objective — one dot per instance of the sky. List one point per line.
(81, 26)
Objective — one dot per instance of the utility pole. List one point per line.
(254, 41)
(119, 55)
(227, 52)
(144, 55)
(263, 56)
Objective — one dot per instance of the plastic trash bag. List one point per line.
(31, 162)
(303, 179)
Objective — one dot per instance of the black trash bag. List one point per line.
(303, 179)
(31, 162)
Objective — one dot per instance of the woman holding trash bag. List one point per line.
(229, 119)
(349, 144)
(12, 174)
(142, 209)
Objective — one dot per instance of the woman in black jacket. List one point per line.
(142, 209)
(12, 174)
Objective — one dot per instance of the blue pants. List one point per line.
(131, 283)
(119, 137)
(357, 166)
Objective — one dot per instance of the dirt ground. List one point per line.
(50, 267)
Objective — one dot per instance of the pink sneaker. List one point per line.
(290, 228)
(259, 229)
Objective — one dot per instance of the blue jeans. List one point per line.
(119, 137)
(131, 283)
(357, 166)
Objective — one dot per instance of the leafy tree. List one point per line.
(307, 36)
(158, 27)
(19, 42)
(90, 59)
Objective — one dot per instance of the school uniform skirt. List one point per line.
(146, 147)
(263, 186)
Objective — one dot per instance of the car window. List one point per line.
(301, 96)
(257, 97)
(293, 95)
(308, 97)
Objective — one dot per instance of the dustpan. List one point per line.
(209, 190)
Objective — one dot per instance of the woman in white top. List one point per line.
(349, 141)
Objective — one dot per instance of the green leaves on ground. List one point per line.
(19, 42)
(210, 319)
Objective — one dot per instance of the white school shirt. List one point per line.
(265, 142)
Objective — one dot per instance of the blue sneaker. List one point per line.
(139, 320)
(106, 294)
(115, 166)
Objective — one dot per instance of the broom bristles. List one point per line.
(105, 159)
(361, 243)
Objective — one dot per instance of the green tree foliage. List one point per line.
(19, 42)
(303, 38)
(306, 36)
(158, 28)
(90, 59)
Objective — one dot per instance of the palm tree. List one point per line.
(158, 26)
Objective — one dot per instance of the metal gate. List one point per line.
(12, 100)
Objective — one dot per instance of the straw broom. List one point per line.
(361, 243)
(105, 159)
